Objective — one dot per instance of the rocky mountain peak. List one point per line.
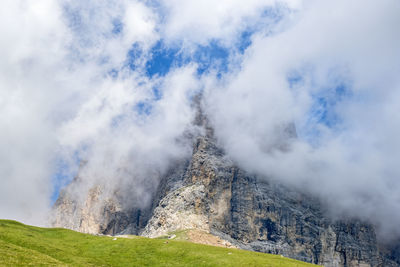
(210, 194)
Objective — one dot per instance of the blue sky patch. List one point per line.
(162, 59)
(62, 176)
(213, 56)
(325, 104)
(326, 100)
(117, 26)
(143, 108)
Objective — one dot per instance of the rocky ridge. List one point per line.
(210, 193)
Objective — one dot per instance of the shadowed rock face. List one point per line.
(208, 192)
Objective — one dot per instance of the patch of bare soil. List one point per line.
(201, 237)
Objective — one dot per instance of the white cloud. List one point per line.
(352, 167)
(30, 47)
(126, 148)
(55, 59)
(199, 22)
(57, 97)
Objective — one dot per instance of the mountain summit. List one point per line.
(208, 192)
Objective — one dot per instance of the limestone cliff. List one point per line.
(210, 193)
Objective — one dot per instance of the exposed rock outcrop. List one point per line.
(208, 192)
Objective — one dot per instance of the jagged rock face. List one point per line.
(96, 213)
(208, 192)
(180, 209)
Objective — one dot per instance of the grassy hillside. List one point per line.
(27, 245)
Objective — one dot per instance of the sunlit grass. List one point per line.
(27, 245)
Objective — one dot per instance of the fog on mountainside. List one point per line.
(113, 83)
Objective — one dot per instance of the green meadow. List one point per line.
(22, 245)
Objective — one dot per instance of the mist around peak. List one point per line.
(113, 84)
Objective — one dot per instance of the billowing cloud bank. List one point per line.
(113, 83)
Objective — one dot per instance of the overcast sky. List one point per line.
(112, 82)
